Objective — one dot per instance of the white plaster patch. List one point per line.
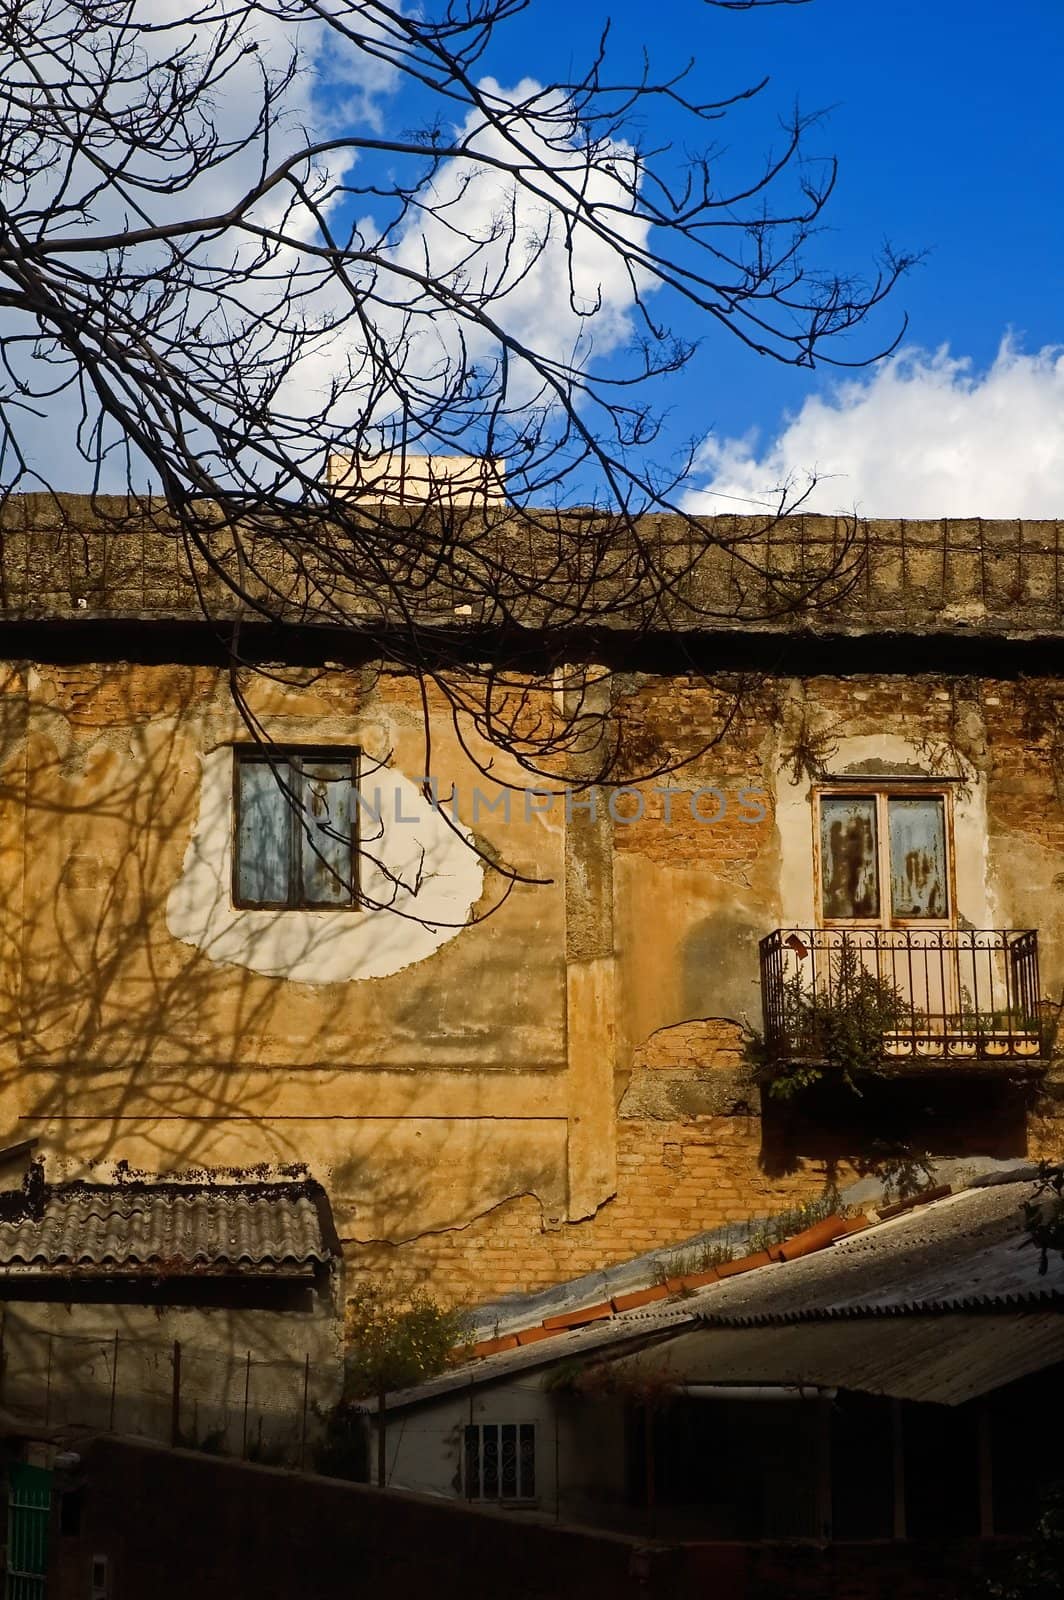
(441, 881)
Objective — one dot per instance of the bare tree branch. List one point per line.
(222, 303)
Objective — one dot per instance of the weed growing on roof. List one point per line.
(695, 1258)
(756, 1233)
(795, 1219)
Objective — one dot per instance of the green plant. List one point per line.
(840, 1027)
(600, 1379)
(1043, 1213)
(794, 1219)
(343, 1450)
(696, 1258)
(1037, 1570)
(392, 1343)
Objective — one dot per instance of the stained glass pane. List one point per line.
(917, 828)
(849, 871)
(326, 842)
(263, 832)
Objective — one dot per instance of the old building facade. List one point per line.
(499, 1102)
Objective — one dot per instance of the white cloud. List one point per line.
(483, 235)
(547, 288)
(923, 435)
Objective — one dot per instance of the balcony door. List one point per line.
(885, 876)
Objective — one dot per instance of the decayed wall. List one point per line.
(496, 1106)
(136, 1031)
(111, 1366)
(690, 901)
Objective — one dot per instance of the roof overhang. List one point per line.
(944, 1359)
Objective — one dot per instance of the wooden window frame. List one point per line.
(882, 790)
(294, 755)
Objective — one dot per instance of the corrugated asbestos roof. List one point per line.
(165, 1228)
(511, 1312)
(966, 1254)
(947, 1358)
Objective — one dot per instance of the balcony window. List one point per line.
(295, 829)
(883, 857)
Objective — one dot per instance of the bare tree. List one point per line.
(224, 303)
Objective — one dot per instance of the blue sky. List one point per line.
(946, 118)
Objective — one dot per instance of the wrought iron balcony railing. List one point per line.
(947, 993)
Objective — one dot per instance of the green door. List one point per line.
(29, 1505)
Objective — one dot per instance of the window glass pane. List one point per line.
(850, 877)
(326, 832)
(263, 831)
(917, 828)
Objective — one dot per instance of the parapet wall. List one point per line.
(67, 558)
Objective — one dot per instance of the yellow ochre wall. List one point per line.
(501, 1105)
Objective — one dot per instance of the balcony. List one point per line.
(931, 996)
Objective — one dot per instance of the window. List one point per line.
(500, 1461)
(884, 856)
(296, 826)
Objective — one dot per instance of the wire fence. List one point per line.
(236, 1403)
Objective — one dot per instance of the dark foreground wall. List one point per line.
(175, 1523)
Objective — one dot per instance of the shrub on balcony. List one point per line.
(840, 1028)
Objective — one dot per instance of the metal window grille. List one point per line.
(500, 1461)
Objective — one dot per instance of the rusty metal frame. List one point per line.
(881, 790)
(294, 755)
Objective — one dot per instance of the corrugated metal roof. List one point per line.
(947, 1358)
(137, 1228)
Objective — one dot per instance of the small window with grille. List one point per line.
(500, 1461)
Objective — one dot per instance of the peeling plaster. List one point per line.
(327, 946)
(976, 906)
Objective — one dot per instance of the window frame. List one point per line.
(294, 755)
(883, 790)
(516, 1499)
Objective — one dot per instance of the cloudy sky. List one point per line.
(947, 119)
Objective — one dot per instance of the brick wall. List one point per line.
(674, 1179)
